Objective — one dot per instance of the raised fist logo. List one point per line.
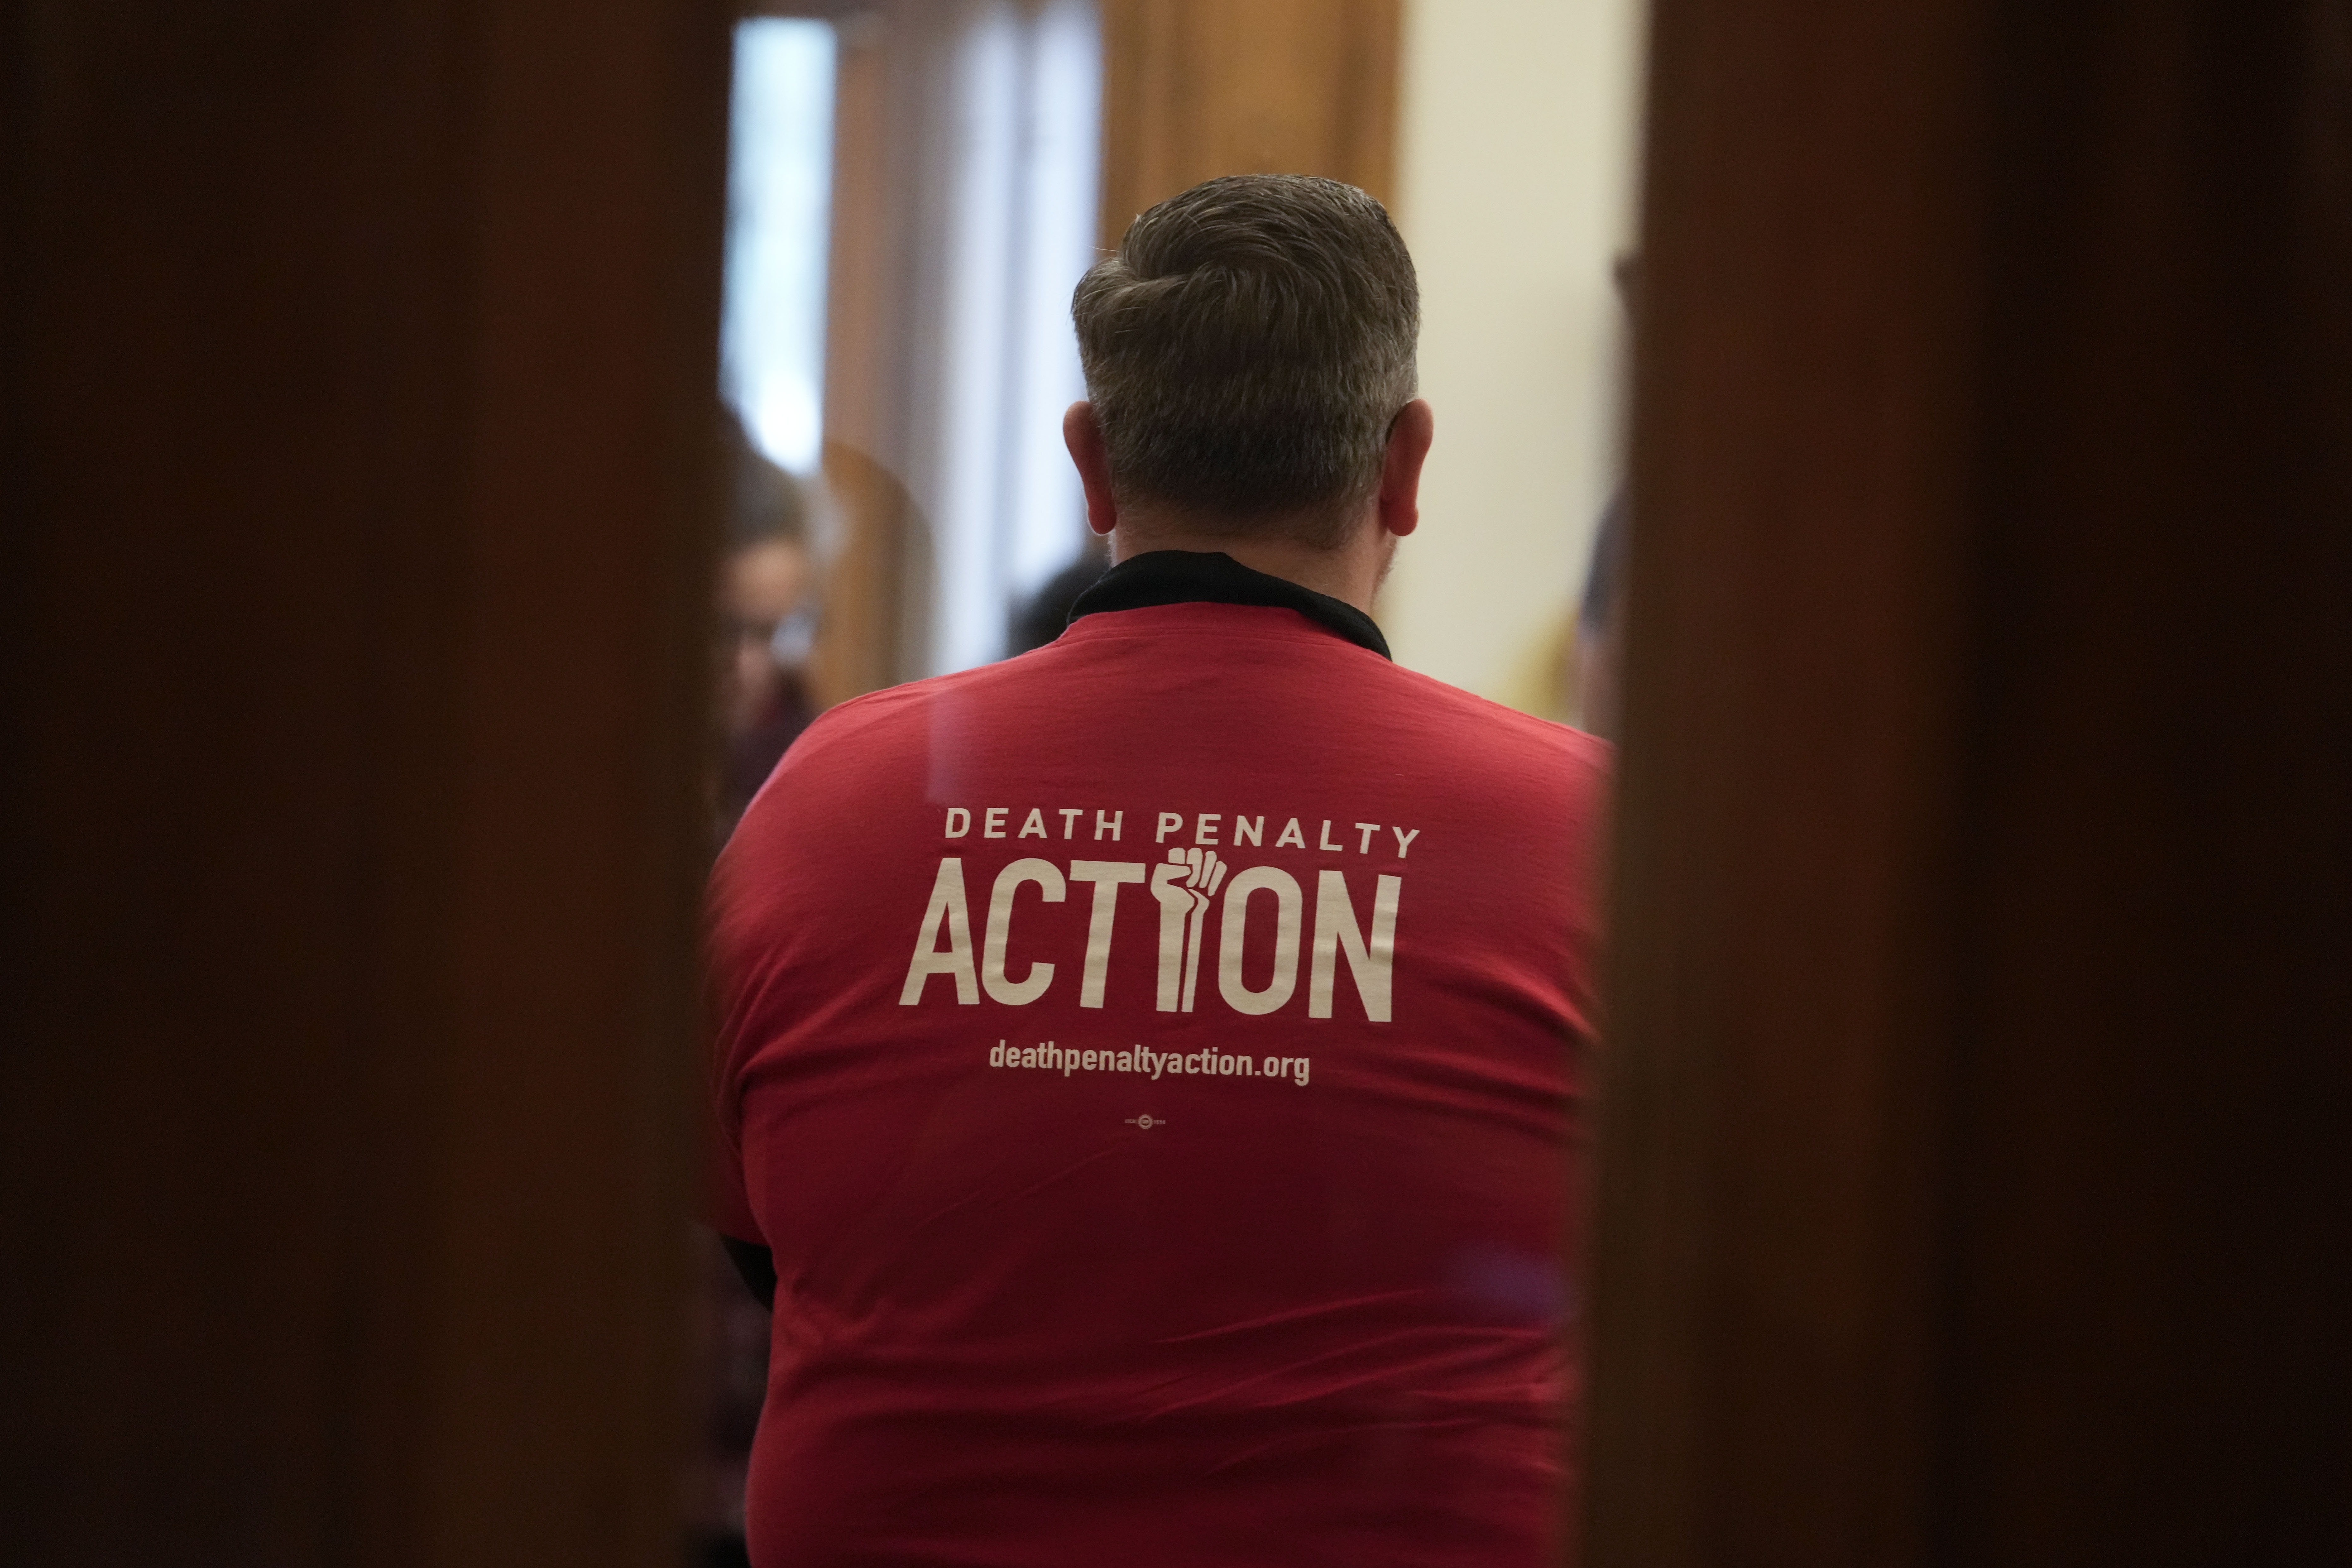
(1208, 871)
(1183, 886)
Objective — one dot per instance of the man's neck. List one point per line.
(1350, 573)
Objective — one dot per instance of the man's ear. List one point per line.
(1082, 434)
(1409, 435)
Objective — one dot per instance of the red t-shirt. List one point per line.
(1134, 1210)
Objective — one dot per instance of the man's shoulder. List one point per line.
(843, 747)
(1482, 720)
(872, 716)
(1460, 743)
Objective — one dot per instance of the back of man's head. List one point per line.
(1247, 349)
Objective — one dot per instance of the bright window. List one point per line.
(779, 208)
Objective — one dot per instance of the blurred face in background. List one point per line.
(764, 589)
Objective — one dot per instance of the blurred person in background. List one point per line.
(732, 1349)
(1589, 656)
(1599, 625)
(1046, 613)
(767, 604)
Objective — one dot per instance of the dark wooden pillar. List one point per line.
(1974, 1179)
(358, 384)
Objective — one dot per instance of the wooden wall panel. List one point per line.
(1195, 88)
(1763, 1269)
(1973, 1188)
(359, 365)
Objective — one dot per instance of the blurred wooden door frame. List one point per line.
(1973, 1178)
(360, 516)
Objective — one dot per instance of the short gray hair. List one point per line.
(1248, 348)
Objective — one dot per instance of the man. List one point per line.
(1155, 1061)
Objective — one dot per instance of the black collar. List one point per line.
(1190, 577)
